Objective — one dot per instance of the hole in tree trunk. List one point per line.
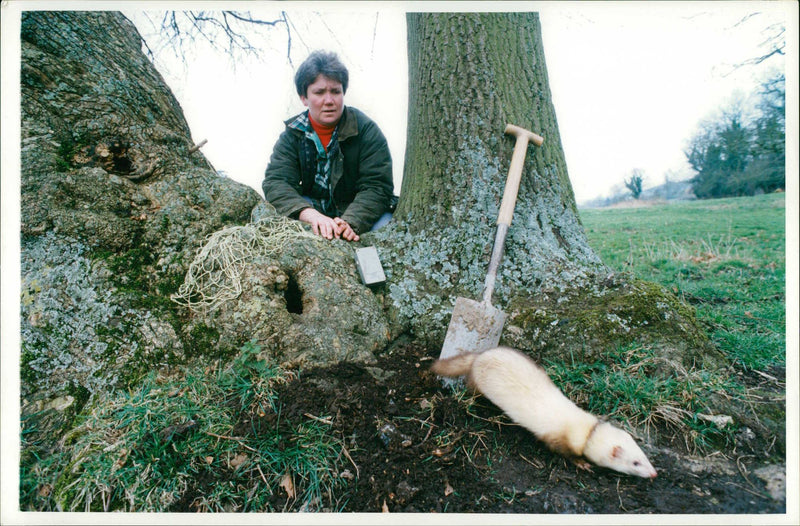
(293, 296)
(119, 157)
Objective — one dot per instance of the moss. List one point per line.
(203, 340)
(164, 225)
(131, 268)
(81, 396)
(69, 145)
(28, 375)
(619, 311)
(66, 151)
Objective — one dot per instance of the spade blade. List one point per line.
(474, 326)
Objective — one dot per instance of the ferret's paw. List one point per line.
(582, 464)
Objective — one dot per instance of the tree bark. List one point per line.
(112, 207)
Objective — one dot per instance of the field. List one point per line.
(726, 257)
(248, 436)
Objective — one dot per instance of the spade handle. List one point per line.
(508, 202)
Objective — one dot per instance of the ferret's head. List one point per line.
(613, 448)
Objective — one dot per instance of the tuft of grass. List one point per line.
(183, 443)
(630, 386)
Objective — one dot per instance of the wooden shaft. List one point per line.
(509, 200)
(508, 203)
(494, 262)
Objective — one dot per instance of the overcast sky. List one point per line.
(630, 81)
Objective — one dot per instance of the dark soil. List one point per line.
(414, 447)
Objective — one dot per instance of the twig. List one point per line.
(742, 468)
(326, 420)
(759, 495)
(262, 476)
(197, 146)
(347, 454)
(765, 375)
(428, 434)
(235, 439)
(539, 466)
(249, 19)
(619, 496)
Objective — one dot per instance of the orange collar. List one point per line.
(323, 132)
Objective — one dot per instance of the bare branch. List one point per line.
(288, 38)
(774, 42)
(299, 35)
(746, 18)
(250, 20)
(374, 34)
(223, 31)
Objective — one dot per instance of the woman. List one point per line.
(331, 166)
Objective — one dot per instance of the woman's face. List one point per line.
(325, 100)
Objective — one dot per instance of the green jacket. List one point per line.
(361, 175)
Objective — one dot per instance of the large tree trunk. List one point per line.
(470, 74)
(113, 206)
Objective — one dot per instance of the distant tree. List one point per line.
(734, 156)
(719, 153)
(634, 183)
(769, 145)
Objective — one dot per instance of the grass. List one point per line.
(141, 450)
(628, 386)
(725, 256)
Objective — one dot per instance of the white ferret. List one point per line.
(520, 387)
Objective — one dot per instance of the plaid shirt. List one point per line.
(321, 193)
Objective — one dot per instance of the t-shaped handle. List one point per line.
(515, 170)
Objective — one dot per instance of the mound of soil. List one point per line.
(412, 446)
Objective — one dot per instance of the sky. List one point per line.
(631, 82)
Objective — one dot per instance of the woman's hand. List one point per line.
(328, 227)
(345, 230)
(320, 223)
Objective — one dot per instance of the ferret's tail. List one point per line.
(458, 365)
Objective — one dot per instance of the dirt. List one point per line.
(412, 446)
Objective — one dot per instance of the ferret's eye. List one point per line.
(636, 462)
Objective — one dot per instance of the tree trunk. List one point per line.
(113, 207)
(470, 74)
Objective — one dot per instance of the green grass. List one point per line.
(141, 450)
(630, 386)
(724, 256)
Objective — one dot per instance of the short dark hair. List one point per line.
(320, 63)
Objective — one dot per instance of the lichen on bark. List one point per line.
(104, 236)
